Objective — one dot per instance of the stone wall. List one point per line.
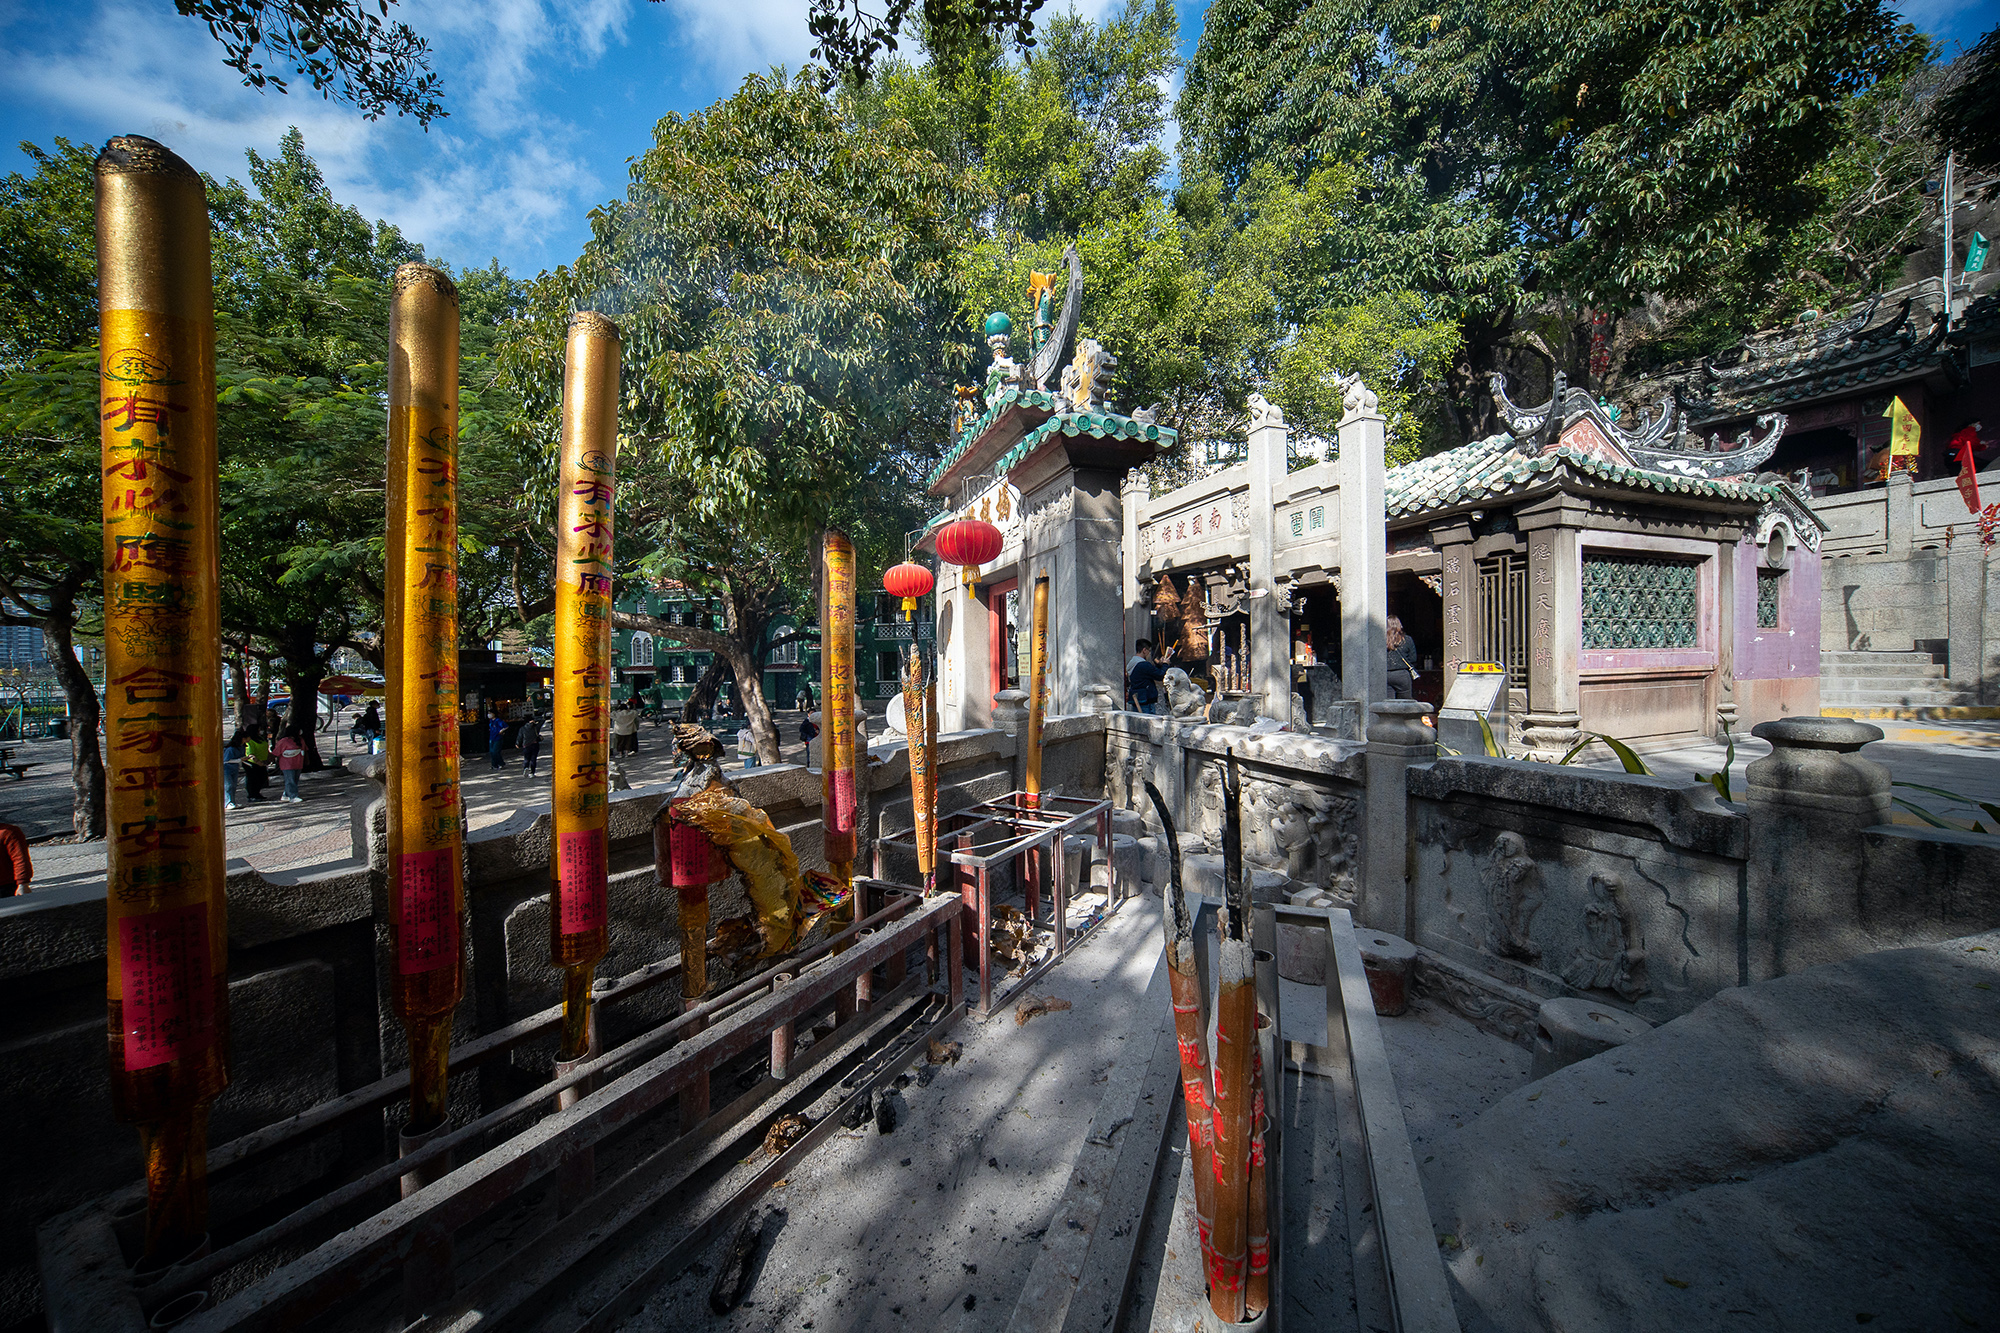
(1522, 882)
(1904, 569)
(309, 965)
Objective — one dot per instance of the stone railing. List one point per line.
(309, 974)
(1522, 882)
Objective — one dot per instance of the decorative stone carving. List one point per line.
(1325, 682)
(1513, 893)
(1613, 955)
(1089, 390)
(1239, 513)
(1300, 722)
(1264, 412)
(1039, 523)
(1358, 401)
(1184, 698)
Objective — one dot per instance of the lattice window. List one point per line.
(1770, 583)
(1640, 601)
(1503, 614)
(639, 652)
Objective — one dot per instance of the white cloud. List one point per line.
(728, 39)
(497, 176)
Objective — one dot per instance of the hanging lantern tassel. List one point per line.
(908, 581)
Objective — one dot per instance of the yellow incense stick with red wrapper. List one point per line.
(579, 915)
(167, 982)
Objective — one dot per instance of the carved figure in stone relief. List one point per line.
(1300, 722)
(1513, 893)
(1292, 838)
(1184, 697)
(1209, 801)
(1612, 957)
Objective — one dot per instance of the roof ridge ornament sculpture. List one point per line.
(1659, 444)
(1054, 336)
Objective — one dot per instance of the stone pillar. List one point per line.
(1553, 722)
(964, 674)
(1902, 515)
(1133, 493)
(1965, 603)
(1728, 569)
(1397, 738)
(1364, 553)
(1810, 800)
(1073, 528)
(1454, 543)
(1270, 630)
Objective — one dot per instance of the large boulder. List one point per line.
(1816, 1152)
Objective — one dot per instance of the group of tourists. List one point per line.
(247, 760)
(1143, 674)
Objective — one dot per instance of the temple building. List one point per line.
(1641, 582)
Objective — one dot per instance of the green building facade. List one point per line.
(658, 670)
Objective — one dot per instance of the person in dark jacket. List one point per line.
(496, 731)
(1402, 661)
(529, 738)
(1142, 684)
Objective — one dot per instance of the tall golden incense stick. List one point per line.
(426, 877)
(1235, 1046)
(579, 929)
(836, 656)
(1038, 677)
(917, 708)
(167, 983)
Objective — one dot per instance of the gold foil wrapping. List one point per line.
(918, 708)
(1038, 692)
(836, 655)
(167, 983)
(426, 873)
(579, 916)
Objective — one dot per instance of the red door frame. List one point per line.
(996, 634)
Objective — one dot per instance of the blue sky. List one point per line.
(548, 100)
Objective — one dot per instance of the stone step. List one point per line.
(1869, 657)
(1917, 698)
(1925, 669)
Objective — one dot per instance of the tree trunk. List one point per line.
(702, 697)
(239, 680)
(750, 687)
(304, 712)
(86, 757)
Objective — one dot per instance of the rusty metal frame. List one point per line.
(632, 1081)
(1026, 833)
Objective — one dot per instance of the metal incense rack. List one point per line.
(1012, 835)
(526, 1231)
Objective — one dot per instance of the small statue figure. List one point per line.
(1514, 892)
(967, 410)
(1042, 296)
(1184, 697)
(1612, 957)
(1091, 389)
(1264, 412)
(1292, 835)
(999, 340)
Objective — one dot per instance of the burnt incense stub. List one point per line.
(136, 155)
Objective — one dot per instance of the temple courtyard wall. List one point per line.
(1517, 882)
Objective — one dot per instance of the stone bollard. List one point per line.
(1391, 963)
(1567, 1031)
(1129, 822)
(1397, 738)
(1201, 872)
(1010, 711)
(1076, 863)
(1810, 800)
(1127, 860)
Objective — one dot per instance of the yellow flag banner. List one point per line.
(1904, 433)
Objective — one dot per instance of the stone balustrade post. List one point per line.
(1364, 552)
(1397, 738)
(1810, 800)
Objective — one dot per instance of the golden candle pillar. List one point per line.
(1038, 697)
(426, 874)
(167, 983)
(836, 657)
(917, 709)
(579, 929)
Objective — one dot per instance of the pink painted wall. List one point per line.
(1790, 651)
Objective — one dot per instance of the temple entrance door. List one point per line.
(1003, 622)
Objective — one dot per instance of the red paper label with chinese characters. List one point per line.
(427, 929)
(582, 862)
(691, 858)
(840, 819)
(167, 987)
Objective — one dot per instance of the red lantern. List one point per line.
(968, 542)
(909, 582)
